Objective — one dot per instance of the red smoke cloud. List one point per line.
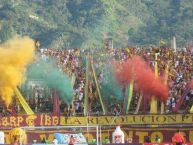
(144, 78)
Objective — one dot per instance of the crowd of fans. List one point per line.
(72, 62)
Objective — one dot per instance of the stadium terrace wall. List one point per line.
(122, 144)
(136, 127)
(138, 135)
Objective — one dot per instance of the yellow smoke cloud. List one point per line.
(15, 55)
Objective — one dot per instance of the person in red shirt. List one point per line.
(178, 138)
(72, 140)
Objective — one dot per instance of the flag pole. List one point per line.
(98, 89)
(153, 105)
(165, 82)
(86, 87)
(129, 96)
(138, 103)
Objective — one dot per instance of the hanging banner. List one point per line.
(49, 120)
(138, 135)
(65, 138)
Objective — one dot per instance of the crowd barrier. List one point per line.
(117, 144)
(164, 144)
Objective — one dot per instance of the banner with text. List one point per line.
(49, 120)
(137, 135)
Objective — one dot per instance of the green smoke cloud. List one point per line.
(109, 86)
(52, 77)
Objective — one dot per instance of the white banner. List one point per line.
(65, 138)
(2, 137)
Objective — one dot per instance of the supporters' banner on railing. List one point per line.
(49, 120)
(138, 135)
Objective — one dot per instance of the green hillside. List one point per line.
(87, 23)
